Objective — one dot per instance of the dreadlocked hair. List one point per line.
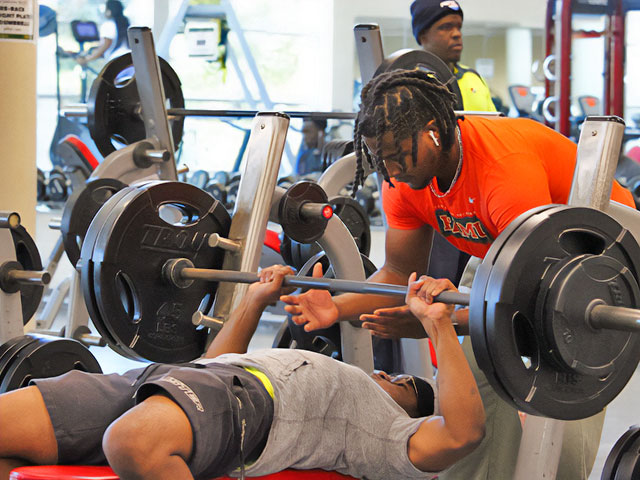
(402, 102)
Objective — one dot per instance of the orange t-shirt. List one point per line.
(509, 166)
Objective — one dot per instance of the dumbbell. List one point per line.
(199, 178)
(222, 177)
(57, 185)
(41, 194)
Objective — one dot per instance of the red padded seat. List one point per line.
(75, 472)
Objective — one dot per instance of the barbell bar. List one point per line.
(81, 110)
(181, 273)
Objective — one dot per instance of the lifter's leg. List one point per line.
(26, 432)
(153, 440)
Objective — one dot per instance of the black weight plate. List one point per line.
(615, 455)
(352, 215)
(148, 317)
(477, 306)
(114, 104)
(303, 230)
(510, 323)
(47, 357)
(86, 265)
(569, 289)
(112, 209)
(629, 466)
(80, 209)
(9, 350)
(355, 219)
(28, 256)
(410, 59)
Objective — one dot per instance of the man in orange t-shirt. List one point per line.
(467, 179)
(508, 166)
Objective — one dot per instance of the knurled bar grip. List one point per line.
(336, 285)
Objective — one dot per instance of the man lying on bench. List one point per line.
(254, 413)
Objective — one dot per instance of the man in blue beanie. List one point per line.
(437, 26)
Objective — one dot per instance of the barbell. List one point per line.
(181, 273)
(552, 309)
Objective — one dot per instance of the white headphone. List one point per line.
(433, 137)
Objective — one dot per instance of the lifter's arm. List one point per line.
(235, 335)
(406, 251)
(442, 440)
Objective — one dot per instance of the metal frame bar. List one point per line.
(152, 99)
(253, 205)
(563, 66)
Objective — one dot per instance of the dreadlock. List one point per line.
(402, 102)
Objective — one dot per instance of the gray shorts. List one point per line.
(216, 398)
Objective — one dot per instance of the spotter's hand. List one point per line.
(314, 309)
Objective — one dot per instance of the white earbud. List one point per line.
(433, 137)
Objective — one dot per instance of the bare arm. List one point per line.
(235, 335)
(97, 52)
(442, 440)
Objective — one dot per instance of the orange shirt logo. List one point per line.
(467, 228)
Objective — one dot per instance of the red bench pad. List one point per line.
(76, 472)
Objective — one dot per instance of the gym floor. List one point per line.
(621, 413)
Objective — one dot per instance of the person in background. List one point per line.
(437, 27)
(313, 137)
(113, 34)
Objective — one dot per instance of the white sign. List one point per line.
(17, 19)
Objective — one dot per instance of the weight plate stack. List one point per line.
(85, 266)
(80, 209)
(149, 318)
(45, 357)
(514, 328)
(477, 305)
